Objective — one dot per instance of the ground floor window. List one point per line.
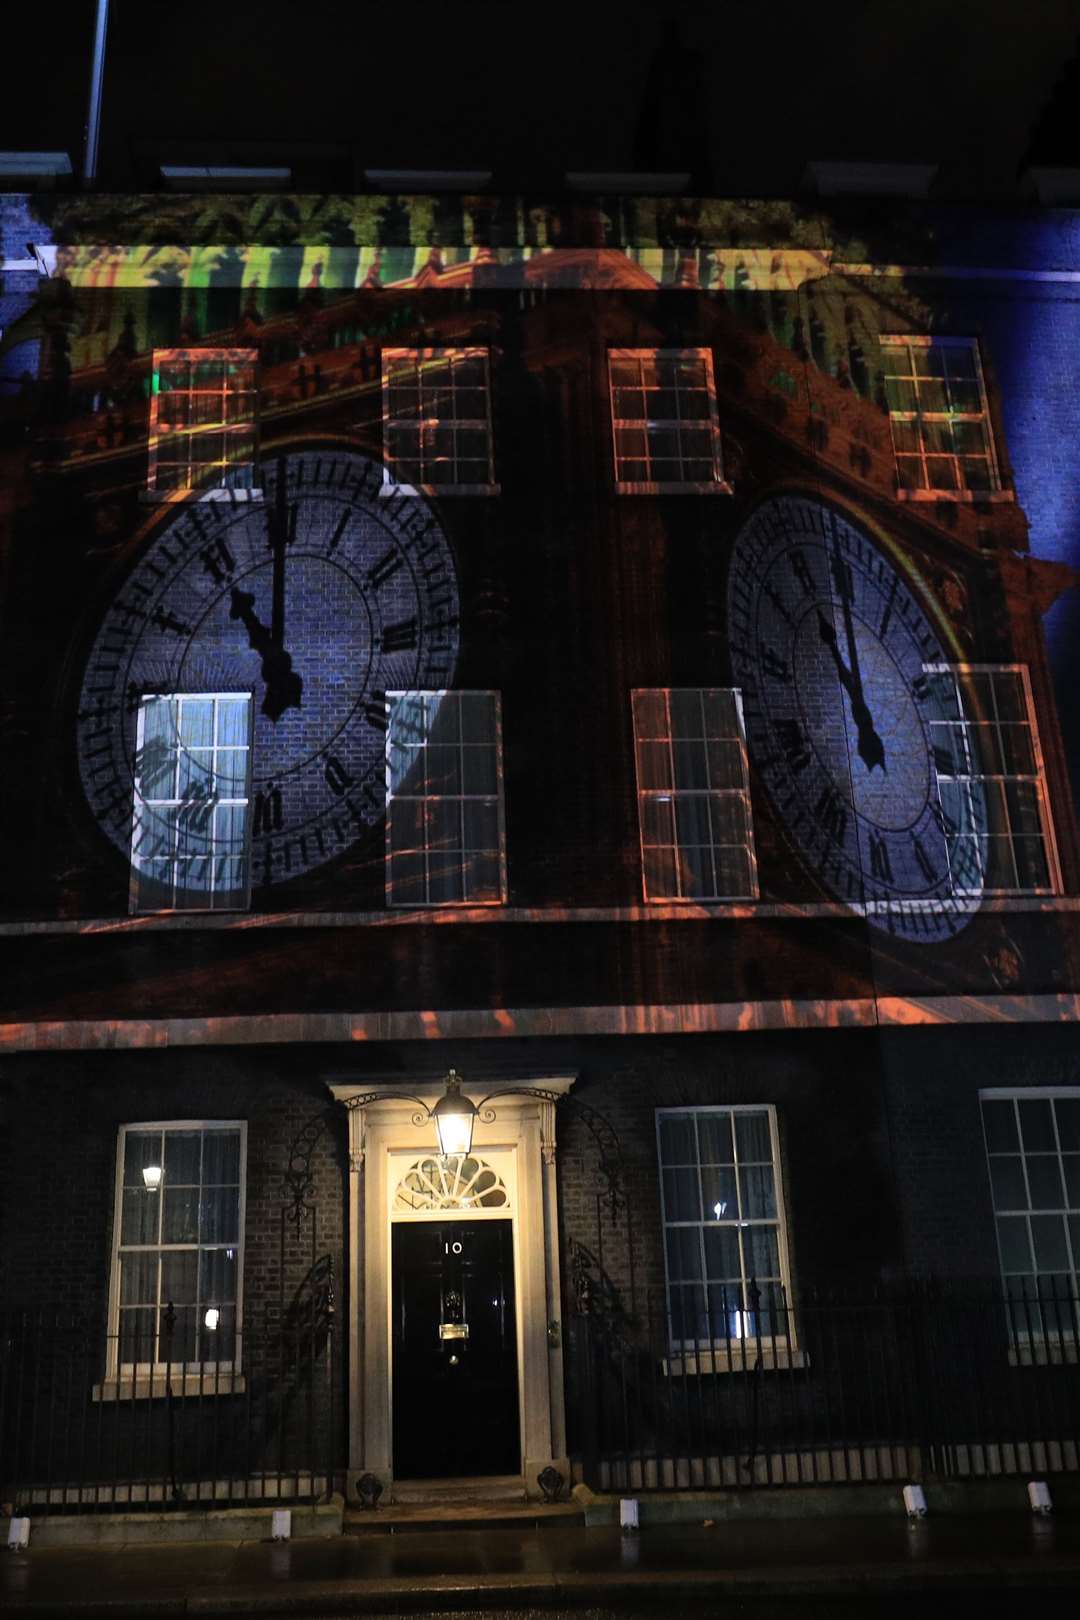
(724, 1231)
(178, 1247)
(1033, 1153)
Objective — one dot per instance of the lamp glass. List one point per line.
(455, 1129)
(212, 1317)
(151, 1177)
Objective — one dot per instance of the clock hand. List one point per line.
(869, 747)
(284, 686)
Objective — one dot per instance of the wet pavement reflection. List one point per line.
(799, 1563)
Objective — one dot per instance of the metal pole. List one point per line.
(93, 112)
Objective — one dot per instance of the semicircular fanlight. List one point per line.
(459, 1181)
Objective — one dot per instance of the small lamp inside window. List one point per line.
(211, 1319)
(151, 1177)
(454, 1117)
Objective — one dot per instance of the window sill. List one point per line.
(717, 486)
(433, 491)
(735, 1358)
(186, 1385)
(973, 497)
(1063, 1353)
(196, 497)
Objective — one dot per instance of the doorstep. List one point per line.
(401, 1518)
(480, 1491)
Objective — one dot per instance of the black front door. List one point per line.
(455, 1350)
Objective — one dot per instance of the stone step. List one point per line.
(442, 1492)
(431, 1516)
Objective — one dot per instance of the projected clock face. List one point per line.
(834, 652)
(363, 600)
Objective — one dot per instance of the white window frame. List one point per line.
(428, 425)
(1037, 781)
(142, 802)
(674, 793)
(994, 492)
(734, 1353)
(148, 1380)
(716, 485)
(221, 487)
(392, 797)
(1062, 1343)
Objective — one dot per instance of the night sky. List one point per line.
(742, 99)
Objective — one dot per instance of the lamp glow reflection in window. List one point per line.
(212, 1318)
(719, 1209)
(152, 1177)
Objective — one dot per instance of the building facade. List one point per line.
(597, 653)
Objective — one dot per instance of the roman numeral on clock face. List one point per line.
(400, 637)
(831, 815)
(880, 864)
(384, 569)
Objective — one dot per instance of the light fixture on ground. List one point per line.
(454, 1116)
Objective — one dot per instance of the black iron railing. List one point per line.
(750, 1391)
(90, 1422)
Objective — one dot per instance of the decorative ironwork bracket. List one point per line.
(599, 1127)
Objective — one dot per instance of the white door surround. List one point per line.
(516, 1132)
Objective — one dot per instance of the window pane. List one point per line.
(1007, 1181)
(999, 1118)
(1067, 1111)
(1071, 1166)
(654, 765)
(183, 1158)
(658, 825)
(1048, 1239)
(140, 1215)
(752, 1138)
(180, 1214)
(714, 1137)
(1037, 1125)
(718, 1193)
(661, 876)
(758, 1196)
(1014, 1243)
(761, 1252)
(138, 1279)
(722, 1253)
(136, 1341)
(1044, 1181)
(677, 1139)
(688, 1317)
(218, 1271)
(219, 1215)
(179, 1277)
(682, 1201)
(684, 1253)
(141, 1149)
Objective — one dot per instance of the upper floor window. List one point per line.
(437, 421)
(189, 839)
(938, 412)
(664, 422)
(445, 832)
(991, 782)
(725, 1244)
(202, 421)
(697, 839)
(1033, 1152)
(175, 1293)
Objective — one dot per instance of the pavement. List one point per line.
(800, 1564)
